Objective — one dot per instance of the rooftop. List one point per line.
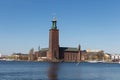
(68, 49)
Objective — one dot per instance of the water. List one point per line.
(13, 70)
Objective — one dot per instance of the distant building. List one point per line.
(115, 56)
(89, 50)
(97, 55)
(41, 55)
(31, 56)
(19, 56)
(42, 59)
(0, 55)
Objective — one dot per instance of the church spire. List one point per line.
(54, 23)
(79, 47)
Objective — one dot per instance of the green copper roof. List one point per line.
(44, 49)
(68, 49)
(62, 49)
(54, 23)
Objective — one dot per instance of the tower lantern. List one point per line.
(54, 23)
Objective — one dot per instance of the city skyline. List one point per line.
(93, 24)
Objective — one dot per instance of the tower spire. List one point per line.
(79, 47)
(54, 23)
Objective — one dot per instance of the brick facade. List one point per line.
(60, 53)
(53, 52)
(70, 56)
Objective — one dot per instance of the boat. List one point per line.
(93, 61)
(118, 62)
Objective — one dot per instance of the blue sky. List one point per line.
(25, 24)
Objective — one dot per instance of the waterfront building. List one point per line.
(107, 57)
(42, 59)
(89, 50)
(31, 56)
(0, 55)
(57, 53)
(19, 56)
(97, 55)
(115, 56)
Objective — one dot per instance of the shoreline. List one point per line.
(61, 61)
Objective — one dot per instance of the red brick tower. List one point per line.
(53, 52)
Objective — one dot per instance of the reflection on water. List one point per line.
(13, 70)
(53, 71)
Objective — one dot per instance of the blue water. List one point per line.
(13, 70)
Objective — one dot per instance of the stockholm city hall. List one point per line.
(57, 53)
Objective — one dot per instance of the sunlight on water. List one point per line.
(58, 71)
